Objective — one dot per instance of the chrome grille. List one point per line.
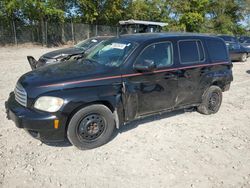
(20, 95)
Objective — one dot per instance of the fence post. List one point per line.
(88, 32)
(72, 31)
(96, 30)
(63, 33)
(14, 29)
(46, 33)
(43, 31)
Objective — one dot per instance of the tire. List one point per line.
(91, 127)
(243, 57)
(211, 101)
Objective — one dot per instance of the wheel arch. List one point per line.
(220, 84)
(106, 103)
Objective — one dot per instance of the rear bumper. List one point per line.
(39, 124)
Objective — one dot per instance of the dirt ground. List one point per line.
(174, 150)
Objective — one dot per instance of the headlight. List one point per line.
(49, 104)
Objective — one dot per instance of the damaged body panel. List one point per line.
(62, 55)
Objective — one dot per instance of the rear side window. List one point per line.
(191, 51)
(217, 50)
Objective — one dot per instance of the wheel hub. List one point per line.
(91, 127)
(213, 101)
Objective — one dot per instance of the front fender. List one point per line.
(76, 98)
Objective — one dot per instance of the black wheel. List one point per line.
(211, 101)
(243, 57)
(91, 127)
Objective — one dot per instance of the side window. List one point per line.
(217, 50)
(191, 51)
(160, 53)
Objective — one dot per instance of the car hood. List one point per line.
(70, 74)
(63, 52)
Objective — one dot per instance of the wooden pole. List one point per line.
(72, 31)
(14, 30)
(46, 33)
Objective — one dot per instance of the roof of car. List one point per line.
(126, 22)
(141, 37)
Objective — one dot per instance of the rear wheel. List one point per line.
(243, 57)
(91, 127)
(211, 101)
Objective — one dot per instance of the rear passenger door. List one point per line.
(192, 60)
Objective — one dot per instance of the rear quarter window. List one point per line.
(217, 50)
(191, 51)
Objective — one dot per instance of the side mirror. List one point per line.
(146, 66)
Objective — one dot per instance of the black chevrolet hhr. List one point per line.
(122, 79)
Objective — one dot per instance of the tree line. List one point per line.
(206, 16)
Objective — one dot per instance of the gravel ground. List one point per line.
(174, 150)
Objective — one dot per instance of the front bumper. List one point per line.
(40, 125)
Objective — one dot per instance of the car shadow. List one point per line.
(64, 143)
(248, 71)
(129, 126)
(152, 118)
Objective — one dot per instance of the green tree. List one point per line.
(102, 11)
(149, 10)
(41, 11)
(193, 14)
(225, 15)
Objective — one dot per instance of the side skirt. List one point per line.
(161, 112)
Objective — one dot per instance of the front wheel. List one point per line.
(91, 127)
(211, 101)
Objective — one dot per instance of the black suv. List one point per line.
(122, 79)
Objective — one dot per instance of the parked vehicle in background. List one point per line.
(139, 26)
(242, 39)
(66, 53)
(122, 79)
(246, 43)
(236, 50)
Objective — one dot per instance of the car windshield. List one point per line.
(112, 52)
(247, 41)
(233, 46)
(228, 38)
(86, 44)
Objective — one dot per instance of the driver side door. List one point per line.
(151, 91)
